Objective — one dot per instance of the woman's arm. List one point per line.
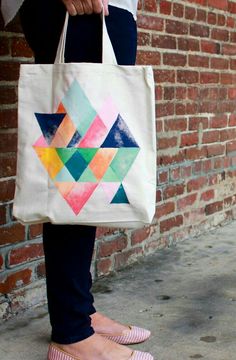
(81, 7)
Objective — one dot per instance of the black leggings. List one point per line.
(69, 248)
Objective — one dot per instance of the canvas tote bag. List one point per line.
(86, 142)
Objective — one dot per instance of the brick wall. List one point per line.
(192, 47)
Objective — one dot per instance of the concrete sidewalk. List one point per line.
(186, 295)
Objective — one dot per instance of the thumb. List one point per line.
(105, 6)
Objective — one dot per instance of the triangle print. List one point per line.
(49, 123)
(120, 197)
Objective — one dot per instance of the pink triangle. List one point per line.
(95, 135)
(79, 195)
(108, 113)
(41, 142)
(110, 189)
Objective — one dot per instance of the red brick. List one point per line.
(186, 171)
(4, 46)
(7, 165)
(217, 63)
(163, 41)
(208, 195)
(199, 61)
(162, 176)
(9, 71)
(232, 94)
(221, 20)
(104, 231)
(177, 124)
(232, 7)
(178, 10)
(215, 150)
(15, 280)
(173, 191)
(232, 120)
(1, 263)
(148, 58)
(165, 7)
(218, 163)
(166, 143)
(167, 225)
(164, 109)
(233, 37)
(40, 270)
(158, 196)
(187, 44)
(214, 207)
(140, 235)
(25, 254)
(196, 122)
(8, 142)
(176, 27)
(12, 234)
(7, 190)
(230, 22)
(165, 209)
(127, 257)
(211, 136)
(8, 119)
(186, 201)
(209, 77)
(220, 34)
(200, 2)
(218, 4)
(226, 79)
(174, 59)
(150, 22)
(169, 93)
(3, 215)
(231, 147)
(167, 76)
(196, 184)
(8, 95)
(195, 153)
(20, 48)
(35, 231)
(181, 93)
(193, 93)
(189, 139)
(104, 266)
(211, 18)
(210, 47)
(150, 5)
(170, 159)
(190, 13)
(199, 30)
(187, 77)
(107, 248)
(233, 64)
(175, 173)
(201, 15)
(144, 39)
(219, 121)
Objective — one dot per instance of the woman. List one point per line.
(78, 331)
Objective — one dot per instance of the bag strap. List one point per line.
(108, 55)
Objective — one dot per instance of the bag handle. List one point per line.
(108, 55)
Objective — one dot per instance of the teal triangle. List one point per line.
(87, 153)
(120, 197)
(123, 161)
(65, 153)
(110, 176)
(88, 176)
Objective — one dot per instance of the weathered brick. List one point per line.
(168, 224)
(24, 254)
(214, 207)
(107, 248)
(196, 184)
(127, 257)
(15, 280)
(104, 266)
(165, 209)
(12, 234)
(186, 201)
(140, 235)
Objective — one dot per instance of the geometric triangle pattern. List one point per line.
(81, 148)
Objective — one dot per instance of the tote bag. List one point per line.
(86, 142)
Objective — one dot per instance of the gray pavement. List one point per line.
(185, 294)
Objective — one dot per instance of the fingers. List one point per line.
(81, 7)
(70, 7)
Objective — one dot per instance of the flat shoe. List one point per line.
(55, 353)
(134, 335)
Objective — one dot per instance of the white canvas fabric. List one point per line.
(86, 143)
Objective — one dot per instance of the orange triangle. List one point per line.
(101, 161)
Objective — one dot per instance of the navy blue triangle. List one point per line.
(120, 197)
(119, 136)
(74, 140)
(49, 123)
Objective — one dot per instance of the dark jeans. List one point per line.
(69, 248)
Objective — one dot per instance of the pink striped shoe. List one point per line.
(55, 353)
(133, 335)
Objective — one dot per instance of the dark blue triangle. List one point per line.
(120, 197)
(119, 136)
(75, 139)
(49, 123)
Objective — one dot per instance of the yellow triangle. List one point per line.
(50, 160)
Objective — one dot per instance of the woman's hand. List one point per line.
(81, 7)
